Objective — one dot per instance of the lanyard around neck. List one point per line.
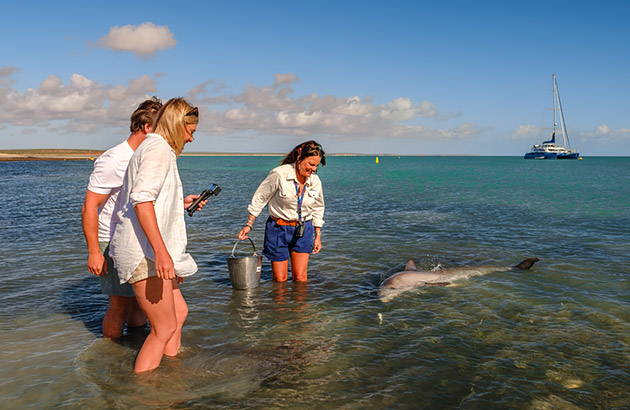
(299, 198)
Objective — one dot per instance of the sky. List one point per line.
(367, 77)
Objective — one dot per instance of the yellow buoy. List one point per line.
(377, 160)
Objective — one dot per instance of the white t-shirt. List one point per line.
(152, 175)
(107, 179)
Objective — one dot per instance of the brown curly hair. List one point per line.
(303, 151)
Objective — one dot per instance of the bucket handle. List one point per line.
(234, 248)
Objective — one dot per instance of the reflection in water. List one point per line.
(290, 296)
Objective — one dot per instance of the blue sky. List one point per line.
(398, 77)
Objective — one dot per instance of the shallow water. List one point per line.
(554, 337)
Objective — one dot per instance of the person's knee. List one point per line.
(300, 276)
(182, 312)
(119, 305)
(165, 329)
(282, 277)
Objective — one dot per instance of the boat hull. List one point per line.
(551, 155)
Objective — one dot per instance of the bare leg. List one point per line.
(299, 266)
(181, 311)
(280, 271)
(114, 319)
(136, 317)
(156, 298)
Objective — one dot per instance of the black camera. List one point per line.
(212, 191)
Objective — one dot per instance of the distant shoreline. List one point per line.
(86, 154)
(48, 154)
(91, 154)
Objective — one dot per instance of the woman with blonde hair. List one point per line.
(149, 242)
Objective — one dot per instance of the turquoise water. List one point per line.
(557, 336)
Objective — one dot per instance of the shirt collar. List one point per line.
(159, 137)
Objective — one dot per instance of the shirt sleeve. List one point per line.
(154, 163)
(264, 193)
(106, 176)
(318, 208)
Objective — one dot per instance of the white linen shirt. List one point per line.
(152, 175)
(278, 189)
(107, 179)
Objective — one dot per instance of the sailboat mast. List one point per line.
(555, 123)
(565, 134)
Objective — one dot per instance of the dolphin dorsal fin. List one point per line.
(410, 265)
(527, 263)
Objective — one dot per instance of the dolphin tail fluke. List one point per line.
(410, 265)
(527, 263)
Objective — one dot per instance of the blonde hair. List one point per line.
(170, 122)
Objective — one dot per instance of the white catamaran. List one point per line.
(550, 149)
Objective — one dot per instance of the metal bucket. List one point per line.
(244, 271)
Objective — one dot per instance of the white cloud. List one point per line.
(143, 40)
(6, 71)
(604, 134)
(284, 79)
(526, 132)
(273, 110)
(81, 105)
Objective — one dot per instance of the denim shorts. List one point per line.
(281, 240)
(110, 282)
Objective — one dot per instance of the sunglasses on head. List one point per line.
(194, 112)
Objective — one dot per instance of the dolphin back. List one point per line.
(527, 263)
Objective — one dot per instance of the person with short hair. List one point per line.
(296, 211)
(98, 209)
(149, 241)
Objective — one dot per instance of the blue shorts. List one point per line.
(110, 283)
(280, 240)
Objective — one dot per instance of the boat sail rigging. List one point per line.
(552, 149)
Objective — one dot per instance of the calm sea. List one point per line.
(557, 336)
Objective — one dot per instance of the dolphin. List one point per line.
(411, 277)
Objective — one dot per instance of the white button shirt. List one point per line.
(278, 189)
(152, 175)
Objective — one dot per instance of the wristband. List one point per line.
(250, 226)
(318, 233)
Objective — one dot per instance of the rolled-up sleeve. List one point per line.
(318, 208)
(151, 174)
(266, 190)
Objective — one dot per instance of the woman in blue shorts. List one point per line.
(296, 211)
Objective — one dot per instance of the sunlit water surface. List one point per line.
(556, 336)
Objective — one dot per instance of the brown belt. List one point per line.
(282, 222)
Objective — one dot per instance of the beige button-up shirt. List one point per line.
(278, 189)
(152, 175)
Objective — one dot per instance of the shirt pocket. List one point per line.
(284, 197)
